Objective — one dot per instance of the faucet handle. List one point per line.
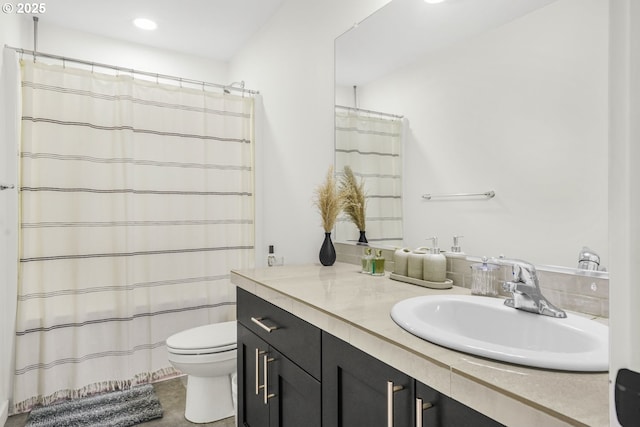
(509, 287)
(524, 272)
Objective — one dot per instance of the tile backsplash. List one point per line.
(569, 289)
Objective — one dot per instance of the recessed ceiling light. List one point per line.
(145, 24)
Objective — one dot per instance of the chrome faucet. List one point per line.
(526, 290)
(588, 260)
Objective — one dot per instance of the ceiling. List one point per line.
(405, 30)
(214, 29)
(217, 29)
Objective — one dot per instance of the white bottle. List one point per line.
(415, 263)
(401, 261)
(271, 258)
(435, 264)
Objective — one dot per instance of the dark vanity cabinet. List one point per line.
(278, 366)
(290, 373)
(359, 390)
(437, 409)
(252, 410)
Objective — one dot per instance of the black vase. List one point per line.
(327, 251)
(363, 239)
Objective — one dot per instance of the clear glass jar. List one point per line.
(483, 281)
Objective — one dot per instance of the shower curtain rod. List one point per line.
(395, 116)
(157, 76)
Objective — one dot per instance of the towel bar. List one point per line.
(488, 195)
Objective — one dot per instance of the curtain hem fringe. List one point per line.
(95, 388)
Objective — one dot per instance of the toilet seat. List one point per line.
(207, 339)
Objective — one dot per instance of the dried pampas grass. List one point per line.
(353, 198)
(327, 199)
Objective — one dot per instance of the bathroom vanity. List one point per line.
(317, 347)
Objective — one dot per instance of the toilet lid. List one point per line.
(213, 338)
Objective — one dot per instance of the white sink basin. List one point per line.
(486, 327)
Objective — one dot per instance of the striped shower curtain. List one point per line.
(136, 201)
(372, 145)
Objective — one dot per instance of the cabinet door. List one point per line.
(295, 395)
(429, 403)
(290, 398)
(447, 412)
(252, 411)
(359, 390)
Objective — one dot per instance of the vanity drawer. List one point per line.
(296, 339)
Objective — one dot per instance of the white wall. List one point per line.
(510, 110)
(291, 62)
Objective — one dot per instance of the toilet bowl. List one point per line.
(207, 355)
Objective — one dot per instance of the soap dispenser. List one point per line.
(456, 250)
(434, 267)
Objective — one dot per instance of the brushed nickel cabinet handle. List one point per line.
(390, 390)
(420, 407)
(258, 386)
(266, 394)
(258, 321)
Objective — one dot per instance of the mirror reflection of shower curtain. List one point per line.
(136, 202)
(372, 146)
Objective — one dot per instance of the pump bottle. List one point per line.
(434, 267)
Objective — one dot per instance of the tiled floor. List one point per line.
(172, 397)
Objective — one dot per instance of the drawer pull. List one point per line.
(258, 386)
(258, 321)
(390, 390)
(267, 396)
(420, 407)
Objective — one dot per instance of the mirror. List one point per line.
(497, 95)
(370, 143)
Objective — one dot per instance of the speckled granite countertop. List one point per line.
(355, 308)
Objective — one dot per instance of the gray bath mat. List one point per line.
(117, 409)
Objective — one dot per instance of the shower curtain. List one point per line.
(372, 146)
(136, 201)
(9, 135)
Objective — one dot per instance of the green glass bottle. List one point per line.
(367, 260)
(377, 268)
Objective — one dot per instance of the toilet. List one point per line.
(207, 355)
